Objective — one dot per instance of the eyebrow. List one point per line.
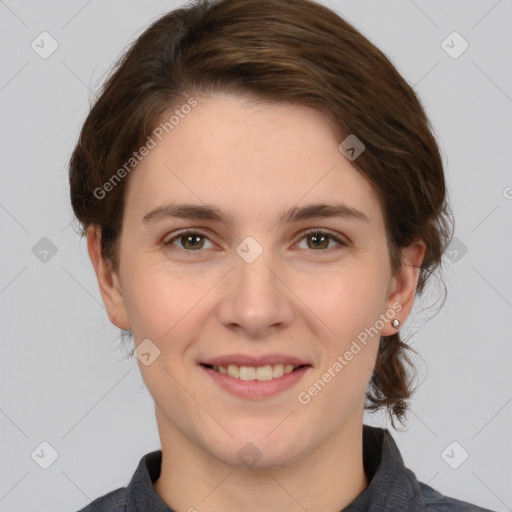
(294, 214)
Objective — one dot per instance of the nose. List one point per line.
(255, 299)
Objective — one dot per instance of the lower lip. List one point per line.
(256, 388)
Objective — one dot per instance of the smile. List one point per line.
(255, 377)
(261, 373)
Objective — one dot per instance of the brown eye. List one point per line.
(320, 240)
(187, 240)
(192, 241)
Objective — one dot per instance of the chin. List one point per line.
(262, 445)
(253, 457)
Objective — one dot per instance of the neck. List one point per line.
(328, 479)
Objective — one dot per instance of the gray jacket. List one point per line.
(392, 487)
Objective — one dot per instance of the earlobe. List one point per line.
(108, 280)
(401, 299)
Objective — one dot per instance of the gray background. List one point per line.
(63, 378)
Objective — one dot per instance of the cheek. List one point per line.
(345, 301)
(348, 304)
(161, 300)
(350, 308)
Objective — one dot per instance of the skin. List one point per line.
(254, 161)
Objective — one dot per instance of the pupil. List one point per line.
(316, 238)
(189, 241)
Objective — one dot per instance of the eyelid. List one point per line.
(172, 237)
(338, 238)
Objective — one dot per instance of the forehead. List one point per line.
(249, 159)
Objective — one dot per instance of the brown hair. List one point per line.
(295, 51)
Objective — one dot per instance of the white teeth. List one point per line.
(267, 372)
(247, 373)
(234, 371)
(288, 368)
(277, 371)
(263, 372)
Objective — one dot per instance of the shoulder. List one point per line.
(114, 501)
(140, 489)
(436, 502)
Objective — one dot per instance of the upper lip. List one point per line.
(246, 360)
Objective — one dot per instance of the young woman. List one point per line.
(263, 198)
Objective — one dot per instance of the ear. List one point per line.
(108, 280)
(403, 285)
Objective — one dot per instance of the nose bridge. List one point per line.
(255, 275)
(254, 298)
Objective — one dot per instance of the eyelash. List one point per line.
(304, 234)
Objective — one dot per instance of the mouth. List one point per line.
(259, 373)
(255, 378)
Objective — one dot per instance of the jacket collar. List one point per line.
(392, 487)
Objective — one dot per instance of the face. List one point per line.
(251, 301)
